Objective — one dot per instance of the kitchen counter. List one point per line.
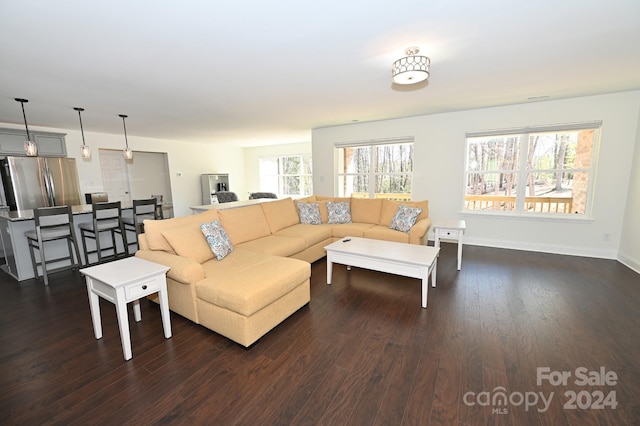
(15, 216)
(231, 205)
(13, 225)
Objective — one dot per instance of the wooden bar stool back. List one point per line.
(52, 223)
(107, 217)
(142, 209)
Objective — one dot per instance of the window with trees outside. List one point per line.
(540, 170)
(286, 175)
(375, 170)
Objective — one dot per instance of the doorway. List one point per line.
(144, 176)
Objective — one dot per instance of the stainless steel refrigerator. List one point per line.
(32, 182)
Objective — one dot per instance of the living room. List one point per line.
(534, 291)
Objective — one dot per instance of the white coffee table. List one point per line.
(123, 281)
(409, 260)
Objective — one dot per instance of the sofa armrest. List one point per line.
(418, 232)
(184, 270)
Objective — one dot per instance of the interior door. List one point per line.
(115, 177)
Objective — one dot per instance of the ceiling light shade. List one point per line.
(411, 69)
(128, 154)
(30, 147)
(85, 151)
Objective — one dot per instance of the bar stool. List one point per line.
(52, 223)
(160, 213)
(107, 217)
(142, 209)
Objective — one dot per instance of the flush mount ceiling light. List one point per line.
(30, 147)
(128, 154)
(411, 69)
(84, 149)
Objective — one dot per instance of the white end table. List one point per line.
(450, 230)
(123, 281)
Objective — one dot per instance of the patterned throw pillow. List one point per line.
(217, 238)
(339, 212)
(405, 218)
(309, 213)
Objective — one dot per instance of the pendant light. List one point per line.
(128, 154)
(30, 147)
(84, 149)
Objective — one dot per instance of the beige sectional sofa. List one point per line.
(265, 278)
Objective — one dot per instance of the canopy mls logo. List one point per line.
(500, 400)
(598, 398)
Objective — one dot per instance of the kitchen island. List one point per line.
(13, 225)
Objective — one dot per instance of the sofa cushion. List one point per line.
(246, 281)
(311, 234)
(366, 210)
(350, 229)
(188, 241)
(309, 199)
(330, 198)
(244, 223)
(217, 238)
(339, 212)
(275, 245)
(153, 228)
(280, 214)
(405, 218)
(309, 213)
(381, 232)
(390, 207)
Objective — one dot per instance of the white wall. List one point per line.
(439, 163)
(630, 241)
(186, 162)
(252, 159)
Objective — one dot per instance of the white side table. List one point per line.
(123, 281)
(450, 230)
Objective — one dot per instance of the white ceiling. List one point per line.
(261, 72)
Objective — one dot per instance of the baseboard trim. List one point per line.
(629, 262)
(544, 248)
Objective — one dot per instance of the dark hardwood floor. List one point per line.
(362, 352)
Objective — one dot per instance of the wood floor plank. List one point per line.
(362, 351)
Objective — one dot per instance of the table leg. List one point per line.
(460, 249)
(123, 324)
(329, 269)
(94, 306)
(434, 272)
(425, 288)
(137, 314)
(164, 312)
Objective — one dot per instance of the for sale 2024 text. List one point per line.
(597, 399)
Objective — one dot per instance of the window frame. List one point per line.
(522, 170)
(280, 177)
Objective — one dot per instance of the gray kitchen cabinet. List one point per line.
(49, 144)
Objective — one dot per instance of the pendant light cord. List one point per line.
(81, 128)
(126, 141)
(26, 126)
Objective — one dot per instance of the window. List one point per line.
(375, 170)
(286, 175)
(536, 170)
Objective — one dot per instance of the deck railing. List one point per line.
(507, 203)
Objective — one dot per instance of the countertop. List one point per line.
(19, 215)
